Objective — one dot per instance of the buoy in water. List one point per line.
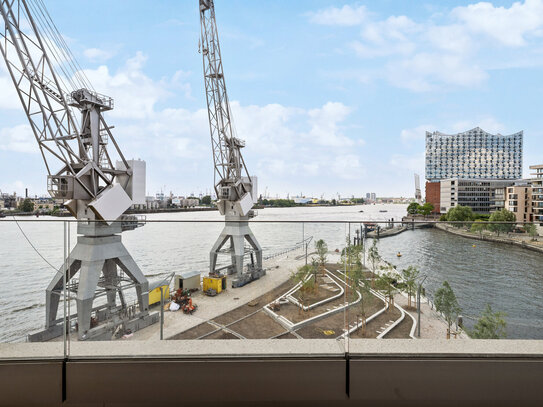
(399, 254)
(473, 245)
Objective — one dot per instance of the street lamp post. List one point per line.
(418, 304)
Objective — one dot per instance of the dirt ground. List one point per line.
(221, 335)
(376, 324)
(252, 322)
(258, 326)
(402, 330)
(195, 332)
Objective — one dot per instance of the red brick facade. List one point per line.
(433, 194)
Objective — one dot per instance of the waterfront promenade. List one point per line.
(521, 240)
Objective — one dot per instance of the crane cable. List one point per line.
(34, 247)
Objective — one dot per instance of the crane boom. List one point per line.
(32, 50)
(235, 188)
(227, 158)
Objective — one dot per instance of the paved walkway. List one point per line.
(278, 270)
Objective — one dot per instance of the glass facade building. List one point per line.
(473, 154)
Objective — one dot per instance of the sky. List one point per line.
(332, 97)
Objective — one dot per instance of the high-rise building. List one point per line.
(474, 154)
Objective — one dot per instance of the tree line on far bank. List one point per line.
(477, 223)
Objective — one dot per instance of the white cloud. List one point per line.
(18, 139)
(135, 94)
(412, 163)
(345, 16)
(416, 134)
(325, 128)
(452, 49)
(284, 144)
(489, 124)
(429, 71)
(98, 55)
(509, 26)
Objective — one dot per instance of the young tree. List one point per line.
(426, 209)
(374, 258)
(26, 206)
(206, 200)
(307, 284)
(413, 208)
(460, 214)
(531, 230)
(409, 276)
(478, 227)
(490, 325)
(503, 215)
(322, 251)
(360, 285)
(447, 304)
(387, 283)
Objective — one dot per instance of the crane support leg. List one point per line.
(129, 266)
(111, 280)
(94, 256)
(54, 291)
(237, 232)
(88, 280)
(256, 247)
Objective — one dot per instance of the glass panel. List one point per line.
(326, 278)
(31, 250)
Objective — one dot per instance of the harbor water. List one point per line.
(509, 278)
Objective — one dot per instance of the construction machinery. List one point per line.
(77, 145)
(236, 190)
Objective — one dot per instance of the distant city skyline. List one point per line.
(331, 96)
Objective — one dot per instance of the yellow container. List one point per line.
(154, 295)
(216, 283)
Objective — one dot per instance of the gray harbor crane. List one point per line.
(67, 118)
(236, 190)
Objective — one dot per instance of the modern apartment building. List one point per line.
(519, 200)
(478, 194)
(537, 193)
(474, 154)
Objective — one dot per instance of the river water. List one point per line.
(507, 277)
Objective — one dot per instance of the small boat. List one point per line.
(383, 210)
(399, 254)
(360, 211)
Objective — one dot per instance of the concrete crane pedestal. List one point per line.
(237, 232)
(96, 257)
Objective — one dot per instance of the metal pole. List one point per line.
(418, 305)
(68, 271)
(161, 312)
(64, 288)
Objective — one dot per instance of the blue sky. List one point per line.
(331, 96)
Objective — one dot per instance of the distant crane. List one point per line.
(235, 188)
(96, 190)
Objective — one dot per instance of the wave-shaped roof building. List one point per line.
(473, 154)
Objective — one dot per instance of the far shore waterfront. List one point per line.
(522, 240)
